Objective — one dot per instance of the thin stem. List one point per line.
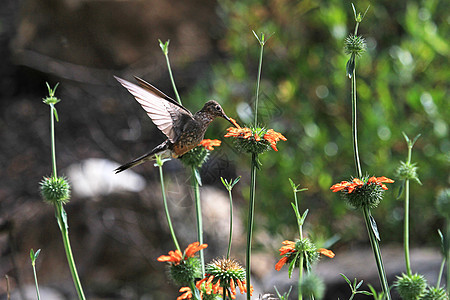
(354, 126)
(406, 220)
(52, 133)
(441, 272)
(65, 236)
(224, 293)
(377, 254)
(36, 281)
(406, 229)
(257, 82)
(166, 209)
(250, 221)
(193, 290)
(447, 254)
(300, 229)
(300, 277)
(231, 223)
(198, 212)
(166, 54)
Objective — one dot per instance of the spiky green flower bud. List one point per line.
(434, 293)
(312, 285)
(411, 287)
(186, 272)
(407, 171)
(54, 190)
(355, 45)
(196, 157)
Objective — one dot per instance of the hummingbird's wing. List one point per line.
(165, 112)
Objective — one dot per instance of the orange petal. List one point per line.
(281, 263)
(326, 252)
(241, 286)
(232, 286)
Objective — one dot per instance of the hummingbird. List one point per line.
(183, 129)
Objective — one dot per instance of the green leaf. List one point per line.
(164, 46)
(400, 190)
(32, 255)
(304, 215)
(359, 284)
(235, 181)
(197, 176)
(55, 113)
(346, 279)
(373, 224)
(350, 67)
(297, 214)
(37, 254)
(292, 264)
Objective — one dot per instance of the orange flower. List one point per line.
(173, 257)
(281, 263)
(326, 252)
(273, 137)
(187, 293)
(289, 251)
(208, 144)
(270, 135)
(223, 273)
(176, 257)
(357, 183)
(289, 246)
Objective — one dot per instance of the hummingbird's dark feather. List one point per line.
(165, 113)
(147, 86)
(160, 149)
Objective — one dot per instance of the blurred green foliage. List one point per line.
(402, 83)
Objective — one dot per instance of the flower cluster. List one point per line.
(291, 250)
(363, 192)
(198, 156)
(224, 274)
(184, 267)
(249, 139)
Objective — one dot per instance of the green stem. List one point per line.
(257, 82)
(224, 293)
(231, 223)
(406, 221)
(300, 277)
(250, 221)
(65, 236)
(354, 126)
(171, 78)
(193, 290)
(198, 212)
(377, 254)
(447, 254)
(441, 271)
(36, 281)
(166, 209)
(300, 229)
(52, 133)
(406, 229)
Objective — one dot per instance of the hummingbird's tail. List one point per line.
(161, 149)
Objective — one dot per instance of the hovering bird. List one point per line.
(183, 129)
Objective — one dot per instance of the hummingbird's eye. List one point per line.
(217, 107)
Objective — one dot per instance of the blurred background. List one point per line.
(117, 226)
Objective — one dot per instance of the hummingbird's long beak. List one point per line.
(228, 119)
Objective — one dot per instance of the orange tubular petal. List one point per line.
(235, 123)
(187, 293)
(208, 285)
(326, 252)
(232, 286)
(240, 285)
(385, 179)
(198, 285)
(281, 263)
(216, 287)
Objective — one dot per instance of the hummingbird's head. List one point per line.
(214, 109)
